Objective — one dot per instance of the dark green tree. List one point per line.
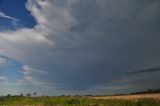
(9, 95)
(21, 95)
(34, 93)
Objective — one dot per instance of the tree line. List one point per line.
(22, 95)
(149, 91)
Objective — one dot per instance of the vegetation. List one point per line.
(149, 91)
(31, 99)
(73, 101)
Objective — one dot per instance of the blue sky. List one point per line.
(56, 47)
(16, 9)
(11, 69)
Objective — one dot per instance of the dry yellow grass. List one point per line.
(131, 97)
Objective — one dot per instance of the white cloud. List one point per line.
(32, 81)
(59, 19)
(3, 15)
(33, 77)
(3, 60)
(21, 43)
(24, 36)
(3, 78)
(30, 71)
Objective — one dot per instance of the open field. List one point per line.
(129, 100)
(131, 97)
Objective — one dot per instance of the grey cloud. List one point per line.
(146, 70)
(143, 81)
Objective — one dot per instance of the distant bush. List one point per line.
(28, 95)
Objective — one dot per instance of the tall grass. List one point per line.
(74, 101)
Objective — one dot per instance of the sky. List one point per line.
(78, 47)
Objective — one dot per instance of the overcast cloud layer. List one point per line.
(82, 44)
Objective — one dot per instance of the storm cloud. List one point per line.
(82, 44)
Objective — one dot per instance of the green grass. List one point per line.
(73, 101)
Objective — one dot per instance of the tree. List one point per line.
(21, 94)
(34, 93)
(9, 95)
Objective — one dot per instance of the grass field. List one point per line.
(81, 101)
(131, 97)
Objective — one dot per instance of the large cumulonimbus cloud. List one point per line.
(86, 43)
